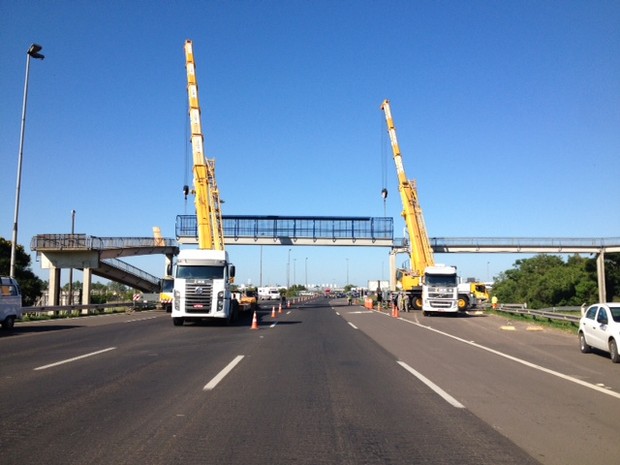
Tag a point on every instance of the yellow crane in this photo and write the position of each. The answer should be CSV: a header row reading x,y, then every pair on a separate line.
x,y
430,287
423,265
203,276
207,195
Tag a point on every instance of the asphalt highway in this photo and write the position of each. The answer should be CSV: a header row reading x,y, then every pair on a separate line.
x,y
322,383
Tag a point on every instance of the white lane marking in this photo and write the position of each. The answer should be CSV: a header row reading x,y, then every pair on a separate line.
x,y
273,325
140,319
338,313
523,362
352,325
447,397
220,376
74,358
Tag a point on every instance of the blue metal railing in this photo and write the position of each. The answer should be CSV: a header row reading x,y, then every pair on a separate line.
x,y
294,227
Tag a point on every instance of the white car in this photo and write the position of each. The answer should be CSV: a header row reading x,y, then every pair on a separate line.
x,y
599,328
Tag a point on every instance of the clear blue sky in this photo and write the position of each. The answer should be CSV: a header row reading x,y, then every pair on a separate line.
x,y
507,114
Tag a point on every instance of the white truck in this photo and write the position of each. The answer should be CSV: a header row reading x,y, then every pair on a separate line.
x,y
202,287
10,302
440,290
269,293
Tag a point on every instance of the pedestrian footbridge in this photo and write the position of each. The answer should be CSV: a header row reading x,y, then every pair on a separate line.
x,y
101,255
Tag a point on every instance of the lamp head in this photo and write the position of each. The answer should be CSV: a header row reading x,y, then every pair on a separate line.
x,y
34,50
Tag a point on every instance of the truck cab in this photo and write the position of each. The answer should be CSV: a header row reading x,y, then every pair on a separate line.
x,y
10,302
202,287
440,290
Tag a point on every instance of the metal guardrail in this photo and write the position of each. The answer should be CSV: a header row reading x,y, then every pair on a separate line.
x,y
549,313
68,308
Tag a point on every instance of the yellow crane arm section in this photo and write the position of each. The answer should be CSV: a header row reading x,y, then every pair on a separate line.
x,y
207,201
420,251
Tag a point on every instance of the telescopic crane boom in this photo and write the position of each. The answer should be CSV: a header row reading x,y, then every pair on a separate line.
x,y
427,286
420,249
203,277
207,196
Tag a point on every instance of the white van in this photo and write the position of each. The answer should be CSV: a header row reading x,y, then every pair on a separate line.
x,y
10,302
268,293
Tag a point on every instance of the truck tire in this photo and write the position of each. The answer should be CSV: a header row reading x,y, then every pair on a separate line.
x,y
416,302
463,302
8,322
178,321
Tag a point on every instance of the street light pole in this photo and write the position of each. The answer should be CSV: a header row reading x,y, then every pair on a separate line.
x,y
288,270
33,52
71,269
306,273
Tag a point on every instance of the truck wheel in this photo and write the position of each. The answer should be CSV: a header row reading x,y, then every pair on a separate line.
x,y
463,302
416,302
8,322
178,321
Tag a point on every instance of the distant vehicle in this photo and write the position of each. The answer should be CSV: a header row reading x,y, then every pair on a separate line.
x,y
599,328
268,293
10,302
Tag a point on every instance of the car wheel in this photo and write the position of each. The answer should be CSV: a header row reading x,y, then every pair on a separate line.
x,y
583,345
613,351
8,322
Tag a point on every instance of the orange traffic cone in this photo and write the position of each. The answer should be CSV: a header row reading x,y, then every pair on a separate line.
x,y
395,312
280,309
273,311
254,322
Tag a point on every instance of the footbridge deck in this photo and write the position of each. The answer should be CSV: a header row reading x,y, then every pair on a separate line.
x,y
295,230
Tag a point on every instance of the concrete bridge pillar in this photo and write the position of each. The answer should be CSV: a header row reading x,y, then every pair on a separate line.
x,y
86,287
54,287
600,273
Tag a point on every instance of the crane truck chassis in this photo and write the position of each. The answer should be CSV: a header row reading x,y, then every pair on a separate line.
x,y
202,287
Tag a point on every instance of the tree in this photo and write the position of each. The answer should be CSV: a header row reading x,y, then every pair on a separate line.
x,y
29,283
548,281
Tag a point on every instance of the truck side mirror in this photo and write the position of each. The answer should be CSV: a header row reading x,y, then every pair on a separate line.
x,y
232,271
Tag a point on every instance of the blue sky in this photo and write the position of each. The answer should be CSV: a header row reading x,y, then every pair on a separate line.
x,y
507,115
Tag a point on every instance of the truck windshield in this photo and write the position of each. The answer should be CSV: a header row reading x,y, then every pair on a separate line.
x,y
440,280
167,285
200,272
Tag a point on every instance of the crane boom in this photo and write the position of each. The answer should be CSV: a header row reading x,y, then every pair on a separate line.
x,y
207,196
420,250
426,286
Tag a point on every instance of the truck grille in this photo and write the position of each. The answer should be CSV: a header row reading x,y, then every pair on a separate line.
x,y
198,296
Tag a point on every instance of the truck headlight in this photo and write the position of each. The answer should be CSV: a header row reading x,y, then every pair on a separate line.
x,y
177,299
220,301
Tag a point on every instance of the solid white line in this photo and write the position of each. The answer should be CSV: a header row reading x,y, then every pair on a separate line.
x,y
352,325
523,362
447,397
273,325
220,376
74,358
